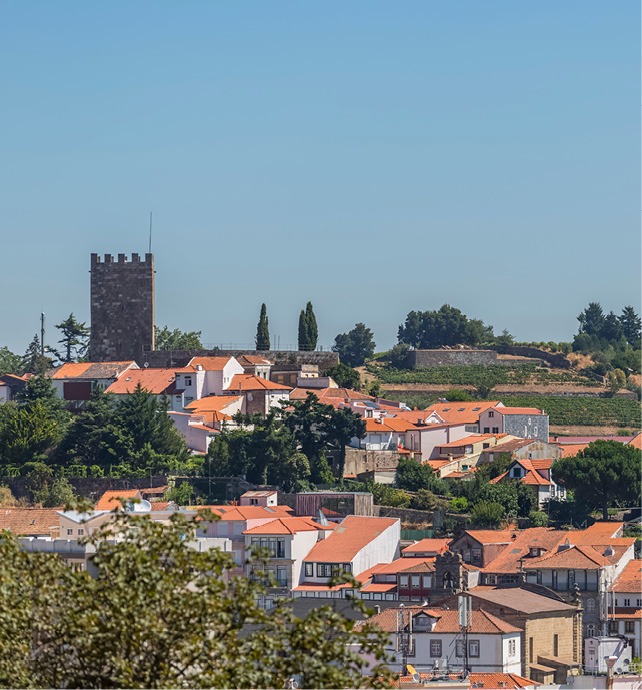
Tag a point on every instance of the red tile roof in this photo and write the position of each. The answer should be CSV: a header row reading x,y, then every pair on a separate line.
x,y
288,525
345,542
155,381
519,410
109,500
630,579
636,441
448,621
599,530
401,564
430,545
92,370
466,441
490,536
29,521
243,513
387,425
519,599
462,412
574,558
544,538
208,363
570,450
499,680
328,395
249,382
212,403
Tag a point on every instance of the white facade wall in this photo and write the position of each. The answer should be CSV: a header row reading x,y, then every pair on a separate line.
x,y
5,393
196,438
384,548
431,438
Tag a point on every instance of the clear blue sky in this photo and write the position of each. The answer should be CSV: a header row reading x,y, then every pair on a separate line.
x,y
372,157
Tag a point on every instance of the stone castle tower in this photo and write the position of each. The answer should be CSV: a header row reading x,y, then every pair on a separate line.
x,y
122,308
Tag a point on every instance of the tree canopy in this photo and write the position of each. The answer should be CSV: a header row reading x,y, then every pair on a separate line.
x,y
165,339
10,363
445,326
75,338
262,339
355,346
159,614
308,329
604,474
345,376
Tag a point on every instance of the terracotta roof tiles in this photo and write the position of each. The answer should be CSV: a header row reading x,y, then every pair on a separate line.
x,y
630,579
29,521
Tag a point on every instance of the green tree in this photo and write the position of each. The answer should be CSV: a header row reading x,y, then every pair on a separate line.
x,y
182,494
591,319
345,376
28,433
631,325
75,338
304,332
164,339
426,500
262,331
10,363
399,355
413,476
312,328
602,475
161,614
355,346
33,361
57,493
40,389
446,326
487,514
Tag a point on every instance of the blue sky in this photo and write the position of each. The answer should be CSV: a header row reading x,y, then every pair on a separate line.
x,y
372,157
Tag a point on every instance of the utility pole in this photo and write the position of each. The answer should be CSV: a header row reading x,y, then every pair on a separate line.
x,y
42,333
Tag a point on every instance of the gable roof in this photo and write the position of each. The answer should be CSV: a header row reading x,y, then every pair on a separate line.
x,y
243,513
208,363
154,381
252,360
520,410
636,441
288,525
447,621
92,370
351,535
467,440
570,450
387,425
29,521
543,538
109,500
250,382
400,565
462,412
329,396
630,579
575,557
519,599
431,545
491,536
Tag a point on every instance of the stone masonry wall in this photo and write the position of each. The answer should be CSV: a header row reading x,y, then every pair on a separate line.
x,y
122,307
446,358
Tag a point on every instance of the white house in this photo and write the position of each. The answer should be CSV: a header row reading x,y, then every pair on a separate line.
x,y
435,637
203,376
157,382
535,473
192,427
75,381
625,605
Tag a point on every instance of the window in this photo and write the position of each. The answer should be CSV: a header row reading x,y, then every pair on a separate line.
x,y
495,429
324,570
281,576
539,577
435,648
415,581
477,554
556,645
487,430
491,413
403,581
612,627
511,647
554,579
639,602
629,626
571,579
485,445
188,380
427,579
459,649
473,648
590,630
347,567
530,649
188,400
280,547
590,605
309,569
69,532
81,532
627,602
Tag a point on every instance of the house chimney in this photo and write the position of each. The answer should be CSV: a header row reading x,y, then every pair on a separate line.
x,y
377,609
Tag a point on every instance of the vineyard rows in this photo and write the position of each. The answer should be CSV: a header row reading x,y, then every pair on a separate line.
x,y
578,411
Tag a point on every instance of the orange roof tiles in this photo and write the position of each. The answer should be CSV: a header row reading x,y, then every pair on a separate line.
x,y
109,500
489,536
600,530
209,363
531,477
636,441
249,382
212,403
466,441
490,681
288,525
462,412
630,579
243,513
543,538
447,621
401,564
29,521
387,425
154,381
570,450
327,395
430,545
345,542
70,370
519,410
575,558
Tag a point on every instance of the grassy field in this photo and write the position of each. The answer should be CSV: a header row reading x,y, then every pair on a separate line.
x,y
493,375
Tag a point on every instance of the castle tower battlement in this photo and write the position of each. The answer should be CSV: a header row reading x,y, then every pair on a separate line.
x,y
122,307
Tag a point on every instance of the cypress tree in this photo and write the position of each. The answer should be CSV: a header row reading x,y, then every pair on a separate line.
x,y
262,332
304,337
313,331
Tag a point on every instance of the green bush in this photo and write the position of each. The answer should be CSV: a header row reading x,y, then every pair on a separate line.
x,y
538,518
487,514
459,505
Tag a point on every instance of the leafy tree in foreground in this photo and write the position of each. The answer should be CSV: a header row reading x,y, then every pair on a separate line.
x,y
165,339
262,339
355,346
160,614
75,338
10,363
346,377
602,475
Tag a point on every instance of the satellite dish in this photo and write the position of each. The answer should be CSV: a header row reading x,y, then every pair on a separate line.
x,y
146,365
416,677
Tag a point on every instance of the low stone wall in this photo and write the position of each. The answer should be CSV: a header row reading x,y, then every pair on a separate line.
x,y
179,358
555,359
418,359
413,516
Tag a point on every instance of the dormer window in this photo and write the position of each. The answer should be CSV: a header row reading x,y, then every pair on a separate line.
x,y
491,413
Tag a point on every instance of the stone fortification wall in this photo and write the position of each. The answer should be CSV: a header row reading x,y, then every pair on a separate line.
x,y
555,359
358,461
179,358
418,359
122,307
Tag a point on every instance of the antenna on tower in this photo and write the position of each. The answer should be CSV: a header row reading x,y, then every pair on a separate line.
x,y
42,333
150,232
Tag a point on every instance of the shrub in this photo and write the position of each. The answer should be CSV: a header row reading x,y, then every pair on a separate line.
x,y
487,514
459,505
426,500
538,518
457,395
